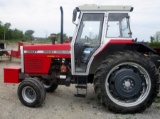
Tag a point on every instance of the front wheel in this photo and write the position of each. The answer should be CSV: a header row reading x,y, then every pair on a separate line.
x,y
31,92
126,82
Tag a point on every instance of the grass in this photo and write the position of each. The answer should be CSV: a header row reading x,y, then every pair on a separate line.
x,y
158,107
157,100
10,41
154,44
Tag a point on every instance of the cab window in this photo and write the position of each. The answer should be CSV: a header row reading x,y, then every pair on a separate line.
x,y
118,25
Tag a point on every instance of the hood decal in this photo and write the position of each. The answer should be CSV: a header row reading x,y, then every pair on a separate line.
x,y
47,52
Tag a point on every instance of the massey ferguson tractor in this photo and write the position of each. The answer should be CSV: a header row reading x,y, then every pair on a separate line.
x,y
102,52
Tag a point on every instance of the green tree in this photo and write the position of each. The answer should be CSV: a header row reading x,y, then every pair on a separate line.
x,y
6,28
157,36
155,40
7,25
6,33
1,30
58,37
152,39
29,33
17,34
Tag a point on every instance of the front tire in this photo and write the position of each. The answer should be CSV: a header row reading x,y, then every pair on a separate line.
x,y
31,92
126,82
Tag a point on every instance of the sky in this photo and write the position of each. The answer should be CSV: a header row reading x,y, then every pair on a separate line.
x,y
43,16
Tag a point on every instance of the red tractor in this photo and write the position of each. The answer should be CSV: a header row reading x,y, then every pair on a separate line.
x,y
101,52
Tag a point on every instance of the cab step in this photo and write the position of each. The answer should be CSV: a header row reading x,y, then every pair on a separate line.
x,y
81,86
80,95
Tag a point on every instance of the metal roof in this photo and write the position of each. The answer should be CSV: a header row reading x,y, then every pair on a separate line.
x,y
104,8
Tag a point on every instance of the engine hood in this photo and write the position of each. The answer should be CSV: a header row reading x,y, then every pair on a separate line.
x,y
47,47
47,50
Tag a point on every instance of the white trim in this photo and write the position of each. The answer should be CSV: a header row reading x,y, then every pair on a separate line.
x,y
101,44
104,40
4,50
93,7
92,57
72,45
22,59
47,51
5,46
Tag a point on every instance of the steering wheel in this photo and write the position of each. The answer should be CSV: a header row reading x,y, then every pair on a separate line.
x,y
88,40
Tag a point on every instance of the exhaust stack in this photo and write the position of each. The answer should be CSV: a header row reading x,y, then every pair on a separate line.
x,y
61,24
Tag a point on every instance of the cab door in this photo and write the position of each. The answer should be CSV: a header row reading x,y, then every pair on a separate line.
x,y
87,40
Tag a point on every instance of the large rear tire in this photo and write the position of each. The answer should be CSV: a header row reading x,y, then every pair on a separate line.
x,y
126,82
31,92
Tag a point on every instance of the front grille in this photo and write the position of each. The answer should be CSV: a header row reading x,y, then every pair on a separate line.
x,y
33,65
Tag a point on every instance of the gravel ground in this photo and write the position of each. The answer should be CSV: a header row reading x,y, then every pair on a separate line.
x,y
61,104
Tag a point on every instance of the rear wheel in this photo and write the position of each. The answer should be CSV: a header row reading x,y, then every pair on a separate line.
x,y
31,93
126,82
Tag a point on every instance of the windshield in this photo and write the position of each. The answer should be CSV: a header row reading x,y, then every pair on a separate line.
x,y
118,25
88,39
90,29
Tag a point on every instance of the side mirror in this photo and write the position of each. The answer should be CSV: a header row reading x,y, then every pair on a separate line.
x,y
74,15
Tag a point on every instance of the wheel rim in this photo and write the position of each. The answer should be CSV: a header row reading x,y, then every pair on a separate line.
x,y
47,85
28,94
128,90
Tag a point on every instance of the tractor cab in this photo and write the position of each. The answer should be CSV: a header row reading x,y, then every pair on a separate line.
x,y
95,27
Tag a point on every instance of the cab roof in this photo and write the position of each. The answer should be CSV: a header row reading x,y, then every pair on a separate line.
x,y
93,7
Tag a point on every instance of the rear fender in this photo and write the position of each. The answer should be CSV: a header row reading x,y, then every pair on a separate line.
x,y
115,47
